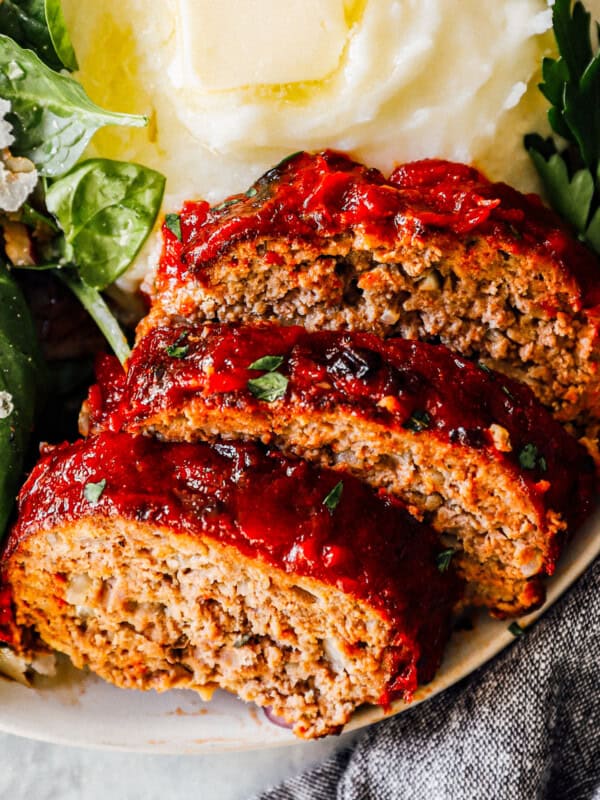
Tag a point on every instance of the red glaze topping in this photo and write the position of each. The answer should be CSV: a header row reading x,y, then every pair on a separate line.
x,y
399,383
269,507
7,624
310,196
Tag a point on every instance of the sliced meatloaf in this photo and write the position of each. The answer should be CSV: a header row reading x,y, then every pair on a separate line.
x,y
191,566
470,451
434,252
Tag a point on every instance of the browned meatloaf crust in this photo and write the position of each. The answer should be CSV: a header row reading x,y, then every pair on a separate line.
x,y
434,252
175,565
469,450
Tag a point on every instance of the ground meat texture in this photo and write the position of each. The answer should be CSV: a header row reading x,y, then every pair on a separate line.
x,y
174,565
470,451
435,252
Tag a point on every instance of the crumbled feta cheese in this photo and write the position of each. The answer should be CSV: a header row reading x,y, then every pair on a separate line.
x,y
18,176
6,137
6,405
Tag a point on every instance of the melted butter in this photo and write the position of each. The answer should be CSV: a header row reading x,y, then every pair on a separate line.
x,y
110,72
302,91
353,11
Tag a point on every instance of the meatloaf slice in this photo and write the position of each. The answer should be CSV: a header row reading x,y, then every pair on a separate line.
x,y
469,450
191,566
435,252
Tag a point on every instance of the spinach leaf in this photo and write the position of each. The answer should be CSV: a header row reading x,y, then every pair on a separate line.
x,y
39,25
20,377
59,34
106,210
25,22
94,304
53,119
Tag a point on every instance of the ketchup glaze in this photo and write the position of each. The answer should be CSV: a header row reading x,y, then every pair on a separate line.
x,y
396,382
312,196
270,508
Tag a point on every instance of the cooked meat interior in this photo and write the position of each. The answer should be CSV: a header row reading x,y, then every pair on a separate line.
x,y
470,451
173,565
435,252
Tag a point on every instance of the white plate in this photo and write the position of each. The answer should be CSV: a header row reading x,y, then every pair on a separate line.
x,y
79,709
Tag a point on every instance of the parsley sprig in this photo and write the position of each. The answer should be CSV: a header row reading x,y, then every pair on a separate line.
x,y
332,500
272,385
571,83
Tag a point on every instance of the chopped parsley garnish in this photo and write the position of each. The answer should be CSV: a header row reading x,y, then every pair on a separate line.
x,y
484,368
285,160
419,420
268,363
178,349
530,458
270,387
243,640
507,392
516,629
93,491
332,500
173,223
571,83
252,191
443,559
226,203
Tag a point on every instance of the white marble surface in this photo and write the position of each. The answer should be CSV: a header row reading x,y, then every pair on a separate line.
x,y
31,770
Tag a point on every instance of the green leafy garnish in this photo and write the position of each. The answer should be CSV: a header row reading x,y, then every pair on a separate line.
x,y
93,491
516,629
32,218
332,500
530,458
173,223
106,210
226,203
270,387
178,349
571,83
20,379
418,421
443,560
268,363
39,25
94,304
60,35
53,119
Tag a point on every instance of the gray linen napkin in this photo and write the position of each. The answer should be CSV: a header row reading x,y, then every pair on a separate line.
x,y
527,726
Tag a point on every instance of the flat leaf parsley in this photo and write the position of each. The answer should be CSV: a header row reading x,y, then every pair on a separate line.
x,y
571,176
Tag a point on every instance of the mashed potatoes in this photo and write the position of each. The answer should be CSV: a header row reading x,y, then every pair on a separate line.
x,y
413,78
401,79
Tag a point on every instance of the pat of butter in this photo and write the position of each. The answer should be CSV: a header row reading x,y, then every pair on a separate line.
x,y
229,44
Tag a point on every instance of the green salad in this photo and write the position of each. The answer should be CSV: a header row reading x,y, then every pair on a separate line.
x,y
86,220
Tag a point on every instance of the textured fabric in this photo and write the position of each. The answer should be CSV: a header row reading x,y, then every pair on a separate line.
x,y
526,726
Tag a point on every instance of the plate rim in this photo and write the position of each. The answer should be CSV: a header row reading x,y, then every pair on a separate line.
x,y
580,554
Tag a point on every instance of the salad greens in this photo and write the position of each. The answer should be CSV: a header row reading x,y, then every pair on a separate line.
x,y
39,25
106,210
95,215
20,370
59,34
571,176
95,305
52,117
